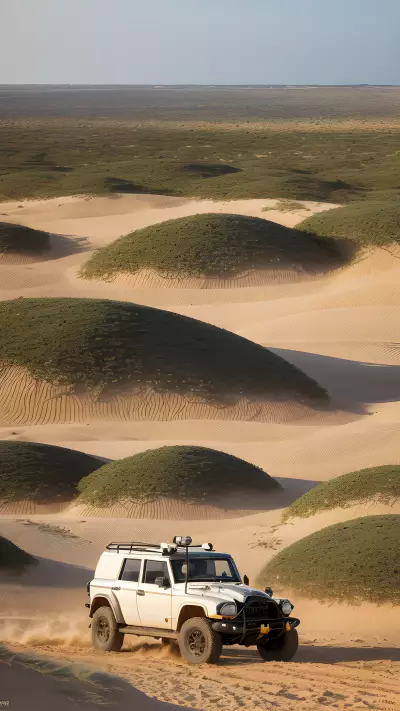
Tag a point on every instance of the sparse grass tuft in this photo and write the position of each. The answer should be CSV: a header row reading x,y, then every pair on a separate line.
x,y
286,206
41,473
111,346
12,558
380,483
193,473
18,238
368,224
210,245
353,561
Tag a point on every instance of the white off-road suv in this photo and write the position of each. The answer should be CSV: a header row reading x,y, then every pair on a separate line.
x,y
188,595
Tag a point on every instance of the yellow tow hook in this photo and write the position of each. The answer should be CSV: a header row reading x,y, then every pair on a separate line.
x,y
264,630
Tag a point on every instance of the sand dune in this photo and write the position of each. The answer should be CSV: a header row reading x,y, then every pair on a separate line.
x,y
24,401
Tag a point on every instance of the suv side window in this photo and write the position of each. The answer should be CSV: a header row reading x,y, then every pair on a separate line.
x,y
130,570
155,569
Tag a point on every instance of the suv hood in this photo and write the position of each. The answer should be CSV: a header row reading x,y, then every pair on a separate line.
x,y
226,591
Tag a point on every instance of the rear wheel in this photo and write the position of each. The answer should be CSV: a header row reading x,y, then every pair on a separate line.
x,y
198,642
281,649
105,633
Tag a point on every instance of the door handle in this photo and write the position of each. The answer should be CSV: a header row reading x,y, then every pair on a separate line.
x,y
115,588
141,592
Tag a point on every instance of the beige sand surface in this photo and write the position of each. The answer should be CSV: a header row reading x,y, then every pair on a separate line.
x,y
31,681
342,329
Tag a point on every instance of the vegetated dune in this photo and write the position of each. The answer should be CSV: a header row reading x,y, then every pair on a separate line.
x,y
380,484
184,480
13,559
352,561
18,242
216,249
370,223
113,360
36,477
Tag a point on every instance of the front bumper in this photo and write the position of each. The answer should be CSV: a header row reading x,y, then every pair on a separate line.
x,y
254,629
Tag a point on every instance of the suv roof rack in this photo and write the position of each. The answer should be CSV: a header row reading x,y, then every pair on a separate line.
x,y
134,546
164,548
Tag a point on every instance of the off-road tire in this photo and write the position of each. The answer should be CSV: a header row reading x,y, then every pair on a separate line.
x,y
105,633
282,650
198,642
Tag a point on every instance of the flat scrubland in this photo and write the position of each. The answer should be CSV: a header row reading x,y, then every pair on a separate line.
x,y
330,145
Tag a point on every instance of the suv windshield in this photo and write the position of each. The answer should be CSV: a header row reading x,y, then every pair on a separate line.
x,y
201,568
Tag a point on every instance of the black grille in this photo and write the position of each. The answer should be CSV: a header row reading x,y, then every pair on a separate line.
x,y
257,608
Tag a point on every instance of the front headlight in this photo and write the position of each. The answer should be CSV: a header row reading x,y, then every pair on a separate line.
x,y
228,609
286,607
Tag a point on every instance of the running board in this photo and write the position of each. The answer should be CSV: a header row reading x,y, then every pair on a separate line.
x,y
148,631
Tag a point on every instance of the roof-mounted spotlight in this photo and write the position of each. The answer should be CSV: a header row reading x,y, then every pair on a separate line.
x,y
183,541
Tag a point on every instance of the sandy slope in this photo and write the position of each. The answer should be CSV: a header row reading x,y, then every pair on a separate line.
x,y
343,329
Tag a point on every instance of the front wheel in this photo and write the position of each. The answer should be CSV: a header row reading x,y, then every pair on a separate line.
x,y
198,642
281,649
105,633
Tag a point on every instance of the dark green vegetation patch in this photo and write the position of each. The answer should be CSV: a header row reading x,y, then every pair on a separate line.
x,y
369,223
213,246
12,558
108,345
41,473
352,561
381,483
193,473
18,238
211,170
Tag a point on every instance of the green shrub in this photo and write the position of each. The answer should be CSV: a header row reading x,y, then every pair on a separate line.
x,y
40,472
212,246
380,483
18,238
368,223
352,561
286,206
193,473
107,346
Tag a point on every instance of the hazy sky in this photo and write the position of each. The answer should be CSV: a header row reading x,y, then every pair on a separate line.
x,y
200,41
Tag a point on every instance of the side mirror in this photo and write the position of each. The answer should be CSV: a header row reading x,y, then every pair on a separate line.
x,y
162,582
269,591
246,579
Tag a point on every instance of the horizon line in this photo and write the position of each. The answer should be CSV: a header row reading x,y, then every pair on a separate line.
x,y
155,85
